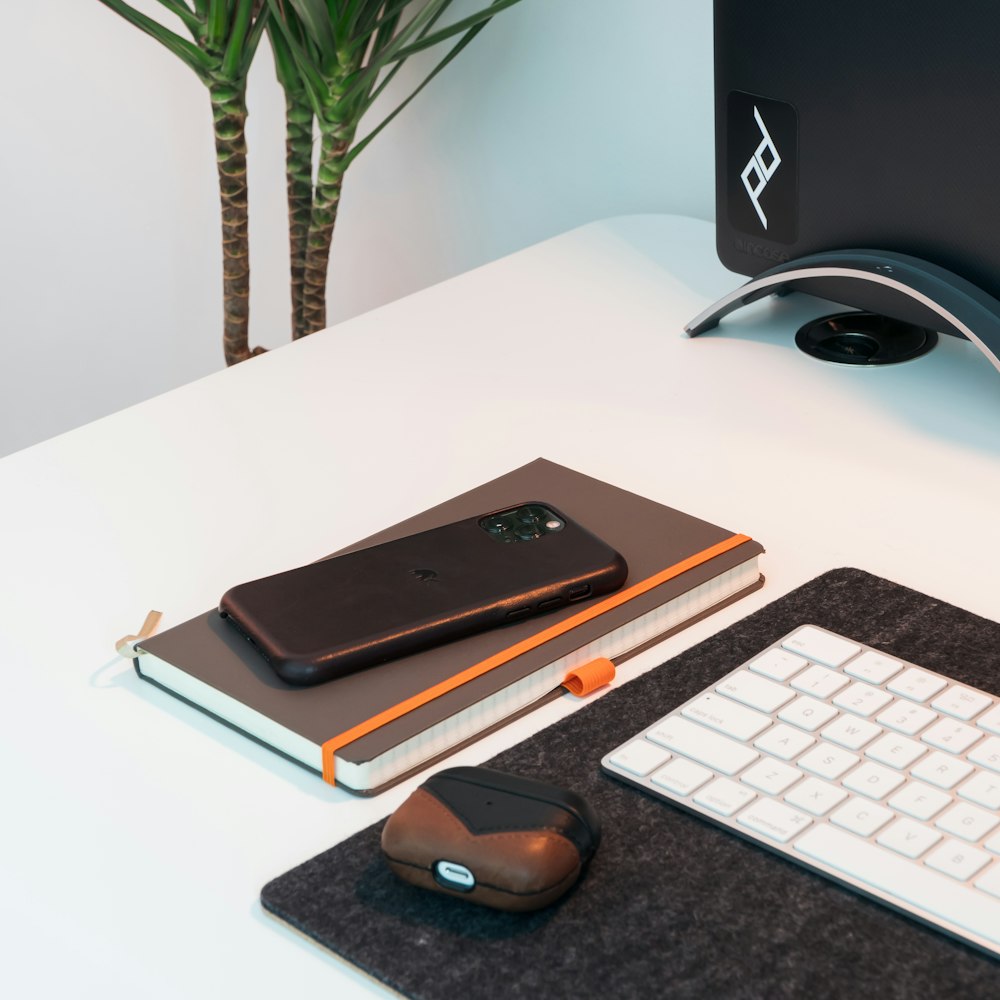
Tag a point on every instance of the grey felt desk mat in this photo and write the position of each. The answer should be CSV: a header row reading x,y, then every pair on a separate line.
x,y
670,906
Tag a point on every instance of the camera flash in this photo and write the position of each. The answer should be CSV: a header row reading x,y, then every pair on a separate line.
x,y
553,525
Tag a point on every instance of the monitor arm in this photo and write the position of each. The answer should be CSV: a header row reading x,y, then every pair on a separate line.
x,y
891,284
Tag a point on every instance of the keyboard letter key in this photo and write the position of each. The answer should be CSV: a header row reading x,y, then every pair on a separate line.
x,y
808,713
941,769
861,816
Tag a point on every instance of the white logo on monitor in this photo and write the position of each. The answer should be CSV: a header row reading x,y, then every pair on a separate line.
x,y
759,168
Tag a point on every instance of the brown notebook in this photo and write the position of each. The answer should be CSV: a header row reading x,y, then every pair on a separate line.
x,y
369,730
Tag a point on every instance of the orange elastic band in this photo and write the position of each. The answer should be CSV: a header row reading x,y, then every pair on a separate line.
x,y
591,676
332,745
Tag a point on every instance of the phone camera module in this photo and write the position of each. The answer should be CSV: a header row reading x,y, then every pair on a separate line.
x,y
521,524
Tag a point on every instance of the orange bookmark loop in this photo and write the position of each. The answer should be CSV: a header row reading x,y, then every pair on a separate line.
x,y
591,676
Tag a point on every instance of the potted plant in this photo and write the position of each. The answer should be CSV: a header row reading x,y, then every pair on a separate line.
x,y
334,59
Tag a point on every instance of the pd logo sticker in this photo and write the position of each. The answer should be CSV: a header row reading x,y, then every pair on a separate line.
x,y
762,167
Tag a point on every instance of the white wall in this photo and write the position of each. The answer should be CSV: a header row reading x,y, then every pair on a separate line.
x,y
560,112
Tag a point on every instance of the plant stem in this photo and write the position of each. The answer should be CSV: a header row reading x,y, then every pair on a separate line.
x,y
298,173
229,115
334,145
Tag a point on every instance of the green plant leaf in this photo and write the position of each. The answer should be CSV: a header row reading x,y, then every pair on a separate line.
x,y
453,52
186,51
315,18
301,52
233,60
218,19
184,12
481,19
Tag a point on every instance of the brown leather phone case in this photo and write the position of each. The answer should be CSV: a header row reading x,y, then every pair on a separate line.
x,y
497,839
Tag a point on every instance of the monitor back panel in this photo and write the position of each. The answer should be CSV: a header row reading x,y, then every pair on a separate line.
x,y
868,124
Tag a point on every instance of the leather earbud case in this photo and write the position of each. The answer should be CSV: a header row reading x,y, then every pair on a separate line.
x,y
492,838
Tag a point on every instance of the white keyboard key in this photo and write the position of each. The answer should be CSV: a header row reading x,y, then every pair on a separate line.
x,y
993,844
982,788
770,776
827,761
816,797
773,820
640,757
755,692
990,882
908,838
821,647
959,861
987,754
726,716
724,797
919,800
876,668
862,699
904,880
916,684
968,822
820,682
851,732
778,664
896,751
941,769
702,745
807,713
861,816
783,742
873,780
955,737
961,703
990,721
682,776
906,718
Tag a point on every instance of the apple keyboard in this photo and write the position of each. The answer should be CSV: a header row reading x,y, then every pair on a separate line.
x,y
877,773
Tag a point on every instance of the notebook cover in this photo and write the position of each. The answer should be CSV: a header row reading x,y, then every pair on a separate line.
x,y
670,905
649,535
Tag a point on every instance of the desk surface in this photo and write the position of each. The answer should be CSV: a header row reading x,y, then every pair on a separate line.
x,y
138,833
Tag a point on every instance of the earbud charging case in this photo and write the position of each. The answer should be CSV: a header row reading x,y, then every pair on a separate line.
x,y
497,839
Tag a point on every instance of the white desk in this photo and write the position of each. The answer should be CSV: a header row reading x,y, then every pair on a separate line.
x,y
138,833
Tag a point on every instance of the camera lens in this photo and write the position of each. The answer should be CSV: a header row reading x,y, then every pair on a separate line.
x,y
527,516
496,526
527,532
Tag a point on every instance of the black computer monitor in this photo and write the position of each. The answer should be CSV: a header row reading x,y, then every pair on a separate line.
x,y
868,129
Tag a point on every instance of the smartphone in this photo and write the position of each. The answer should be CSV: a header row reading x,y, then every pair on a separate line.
x,y
352,611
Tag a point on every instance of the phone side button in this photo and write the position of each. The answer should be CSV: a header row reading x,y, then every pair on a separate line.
x,y
552,602
517,613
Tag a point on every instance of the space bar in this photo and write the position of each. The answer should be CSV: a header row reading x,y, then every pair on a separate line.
x,y
926,890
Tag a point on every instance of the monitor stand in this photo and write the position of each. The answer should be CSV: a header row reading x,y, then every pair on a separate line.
x,y
919,296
